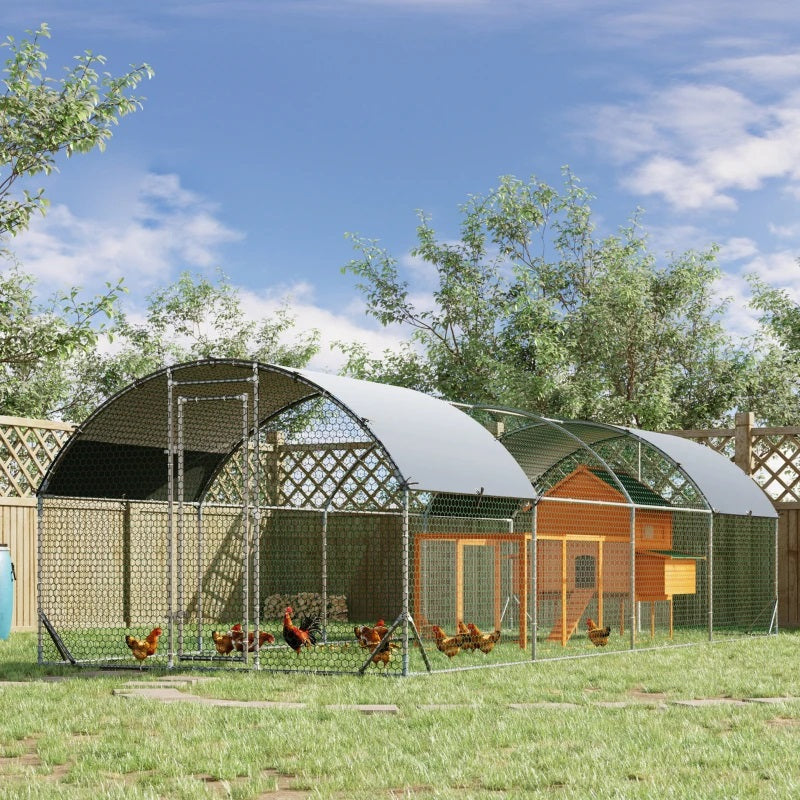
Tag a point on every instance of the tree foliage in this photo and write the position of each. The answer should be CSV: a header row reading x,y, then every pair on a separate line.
x,y
529,308
773,391
41,117
190,319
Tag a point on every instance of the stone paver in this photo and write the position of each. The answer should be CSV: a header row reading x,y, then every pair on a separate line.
x,y
168,690
388,708
701,702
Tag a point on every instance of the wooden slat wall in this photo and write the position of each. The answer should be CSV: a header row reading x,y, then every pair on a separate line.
x,y
18,531
789,566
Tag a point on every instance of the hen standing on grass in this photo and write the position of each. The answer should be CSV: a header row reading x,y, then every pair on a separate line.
x,y
598,636
304,636
142,648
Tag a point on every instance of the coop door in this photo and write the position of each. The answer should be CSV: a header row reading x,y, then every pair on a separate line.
x,y
211,586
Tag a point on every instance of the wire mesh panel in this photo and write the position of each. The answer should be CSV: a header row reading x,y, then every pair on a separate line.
x,y
102,577
264,525
471,556
744,568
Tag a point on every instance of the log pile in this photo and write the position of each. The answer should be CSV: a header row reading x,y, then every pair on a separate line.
x,y
306,604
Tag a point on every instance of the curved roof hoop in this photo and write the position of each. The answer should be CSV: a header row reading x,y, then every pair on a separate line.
x,y
119,450
537,419
632,433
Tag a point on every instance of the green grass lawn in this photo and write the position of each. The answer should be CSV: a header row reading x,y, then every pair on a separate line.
x,y
76,739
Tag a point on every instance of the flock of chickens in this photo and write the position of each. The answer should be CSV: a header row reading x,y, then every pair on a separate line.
x,y
468,638
296,636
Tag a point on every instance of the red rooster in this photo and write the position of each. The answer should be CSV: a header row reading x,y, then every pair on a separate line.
x,y
304,636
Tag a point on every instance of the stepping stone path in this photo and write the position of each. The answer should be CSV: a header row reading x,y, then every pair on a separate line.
x,y
169,689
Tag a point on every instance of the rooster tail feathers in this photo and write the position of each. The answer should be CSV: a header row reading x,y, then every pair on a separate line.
x,y
312,627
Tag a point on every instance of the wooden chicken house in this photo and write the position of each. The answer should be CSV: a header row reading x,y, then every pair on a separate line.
x,y
584,547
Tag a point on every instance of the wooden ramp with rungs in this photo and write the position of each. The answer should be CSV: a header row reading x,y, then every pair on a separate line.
x,y
577,602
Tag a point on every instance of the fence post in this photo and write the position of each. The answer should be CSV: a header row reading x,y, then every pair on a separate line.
x,y
743,456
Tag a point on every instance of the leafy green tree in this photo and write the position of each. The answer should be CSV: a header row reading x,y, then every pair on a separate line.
x,y
38,339
531,309
190,319
42,117
773,390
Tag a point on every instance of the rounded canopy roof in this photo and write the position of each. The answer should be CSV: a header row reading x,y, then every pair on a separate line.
x,y
120,451
677,468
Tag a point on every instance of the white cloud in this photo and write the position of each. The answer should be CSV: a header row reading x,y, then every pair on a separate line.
x,y
737,249
767,68
345,326
682,185
168,229
697,145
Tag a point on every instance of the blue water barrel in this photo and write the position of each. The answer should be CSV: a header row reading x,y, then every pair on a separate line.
x,y
6,591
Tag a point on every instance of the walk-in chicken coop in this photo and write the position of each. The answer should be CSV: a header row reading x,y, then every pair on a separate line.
x,y
226,514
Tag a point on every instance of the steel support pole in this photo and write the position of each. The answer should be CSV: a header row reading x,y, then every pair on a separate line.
x,y
406,566
170,518
245,529
39,561
256,516
325,573
633,577
180,526
710,578
775,572
534,586
200,576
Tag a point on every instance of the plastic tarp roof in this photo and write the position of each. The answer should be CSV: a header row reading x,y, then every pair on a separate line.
x,y
120,451
725,489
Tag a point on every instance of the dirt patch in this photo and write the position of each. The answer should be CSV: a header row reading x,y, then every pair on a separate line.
x,y
783,722
409,792
282,791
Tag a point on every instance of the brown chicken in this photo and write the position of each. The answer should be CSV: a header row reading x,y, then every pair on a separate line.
x,y
223,642
237,638
142,648
304,635
449,645
464,632
598,636
369,638
484,642
365,633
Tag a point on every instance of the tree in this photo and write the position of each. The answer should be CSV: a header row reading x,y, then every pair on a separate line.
x,y
41,117
531,309
190,319
38,340
773,391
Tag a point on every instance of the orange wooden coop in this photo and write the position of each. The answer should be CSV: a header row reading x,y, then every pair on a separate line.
x,y
583,531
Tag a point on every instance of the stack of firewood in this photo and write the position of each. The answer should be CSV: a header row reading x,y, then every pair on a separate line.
x,y
306,604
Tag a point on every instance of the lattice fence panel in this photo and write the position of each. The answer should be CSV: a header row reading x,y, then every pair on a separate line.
x,y
776,465
27,447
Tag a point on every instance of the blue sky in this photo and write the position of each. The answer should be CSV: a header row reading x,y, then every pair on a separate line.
x,y
272,127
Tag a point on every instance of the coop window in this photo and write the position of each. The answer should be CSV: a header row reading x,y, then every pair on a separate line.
x,y
585,572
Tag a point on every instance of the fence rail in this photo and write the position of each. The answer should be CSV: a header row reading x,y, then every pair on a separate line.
x,y
771,456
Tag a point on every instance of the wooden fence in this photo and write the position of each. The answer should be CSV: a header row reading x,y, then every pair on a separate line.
x,y
27,446
770,455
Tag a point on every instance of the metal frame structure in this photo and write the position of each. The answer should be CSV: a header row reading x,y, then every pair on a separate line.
x,y
253,487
